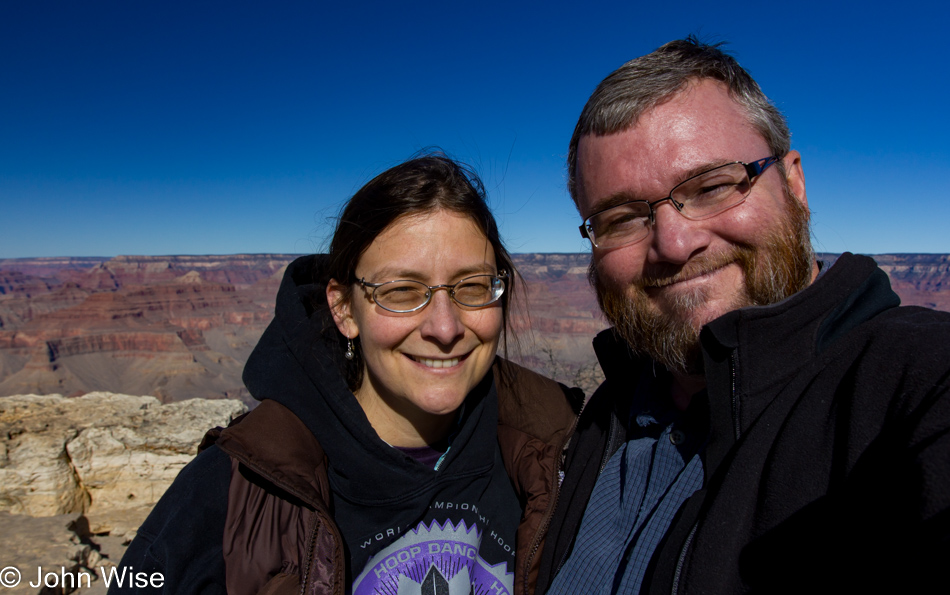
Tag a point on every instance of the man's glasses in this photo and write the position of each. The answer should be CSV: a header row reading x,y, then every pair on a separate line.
x,y
699,197
403,295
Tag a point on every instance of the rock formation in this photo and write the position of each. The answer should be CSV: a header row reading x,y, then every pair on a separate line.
x,y
79,475
99,451
920,279
557,320
180,327
176,327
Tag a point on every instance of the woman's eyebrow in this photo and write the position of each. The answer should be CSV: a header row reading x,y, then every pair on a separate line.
x,y
480,269
392,274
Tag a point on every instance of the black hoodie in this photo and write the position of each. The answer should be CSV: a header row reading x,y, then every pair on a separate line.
x,y
401,523
379,493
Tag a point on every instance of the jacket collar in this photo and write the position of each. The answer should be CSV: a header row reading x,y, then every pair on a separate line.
x,y
852,291
276,445
750,352
760,348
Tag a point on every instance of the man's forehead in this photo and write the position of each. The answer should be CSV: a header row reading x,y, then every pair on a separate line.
x,y
700,127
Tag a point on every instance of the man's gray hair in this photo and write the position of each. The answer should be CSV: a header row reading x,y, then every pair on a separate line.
x,y
645,82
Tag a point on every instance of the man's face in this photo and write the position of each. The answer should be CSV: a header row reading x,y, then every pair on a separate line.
x,y
661,290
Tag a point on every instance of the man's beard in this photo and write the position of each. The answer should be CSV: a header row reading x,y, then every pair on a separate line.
x,y
779,268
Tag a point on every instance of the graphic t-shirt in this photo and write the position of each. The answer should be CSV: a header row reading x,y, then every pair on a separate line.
x,y
425,455
464,543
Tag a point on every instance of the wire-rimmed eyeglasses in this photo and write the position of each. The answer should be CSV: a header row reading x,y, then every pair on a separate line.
x,y
699,197
404,295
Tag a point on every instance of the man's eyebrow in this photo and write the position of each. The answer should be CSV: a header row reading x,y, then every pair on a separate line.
x,y
615,199
701,169
625,196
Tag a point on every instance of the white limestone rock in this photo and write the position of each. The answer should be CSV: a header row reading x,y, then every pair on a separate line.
x,y
101,451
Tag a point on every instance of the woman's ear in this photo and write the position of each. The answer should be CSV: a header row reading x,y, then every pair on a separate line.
x,y
340,308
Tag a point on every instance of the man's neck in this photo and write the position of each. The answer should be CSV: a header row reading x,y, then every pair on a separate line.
x,y
684,387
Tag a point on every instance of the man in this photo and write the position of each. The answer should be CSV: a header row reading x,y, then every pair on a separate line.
x,y
767,423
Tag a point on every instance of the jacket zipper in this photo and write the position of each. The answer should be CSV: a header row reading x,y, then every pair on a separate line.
x,y
682,560
735,396
305,578
608,452
737,428
303,498
546,522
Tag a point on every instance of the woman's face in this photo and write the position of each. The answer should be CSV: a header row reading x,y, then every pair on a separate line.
x,y
419,366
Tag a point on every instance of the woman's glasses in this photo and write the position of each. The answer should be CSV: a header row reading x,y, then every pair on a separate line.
x,y
403,295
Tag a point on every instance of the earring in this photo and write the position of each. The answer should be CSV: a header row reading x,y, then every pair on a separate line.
x,y
350,353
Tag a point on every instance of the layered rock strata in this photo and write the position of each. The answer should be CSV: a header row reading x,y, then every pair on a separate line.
x,y
101,451
78,476
182,326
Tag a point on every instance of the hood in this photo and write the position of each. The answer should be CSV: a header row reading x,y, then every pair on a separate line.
x,y
297,363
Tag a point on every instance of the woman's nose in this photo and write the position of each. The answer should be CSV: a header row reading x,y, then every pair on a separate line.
x,y
442,319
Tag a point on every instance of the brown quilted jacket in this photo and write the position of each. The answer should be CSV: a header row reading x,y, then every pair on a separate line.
x,y
279,535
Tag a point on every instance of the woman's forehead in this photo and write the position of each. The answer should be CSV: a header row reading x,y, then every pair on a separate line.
x,y
429,244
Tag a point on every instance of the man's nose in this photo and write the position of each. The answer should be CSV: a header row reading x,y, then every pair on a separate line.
x,y
674,238
442,321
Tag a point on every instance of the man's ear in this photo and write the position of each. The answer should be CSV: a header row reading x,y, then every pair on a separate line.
x,y
340,308
795,176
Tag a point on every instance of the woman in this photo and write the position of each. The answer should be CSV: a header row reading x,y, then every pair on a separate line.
x,y
391,452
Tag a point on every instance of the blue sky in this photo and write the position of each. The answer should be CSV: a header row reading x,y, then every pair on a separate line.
x,y
147,127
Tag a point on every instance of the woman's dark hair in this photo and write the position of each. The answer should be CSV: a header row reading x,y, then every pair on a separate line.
x,y
421,185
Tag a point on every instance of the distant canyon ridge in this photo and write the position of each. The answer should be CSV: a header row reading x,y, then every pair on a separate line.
x,y
180,327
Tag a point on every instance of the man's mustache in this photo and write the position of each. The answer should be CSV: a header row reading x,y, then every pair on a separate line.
x,y
660,275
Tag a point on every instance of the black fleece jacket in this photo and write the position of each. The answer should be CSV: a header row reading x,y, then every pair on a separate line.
x,y
828,463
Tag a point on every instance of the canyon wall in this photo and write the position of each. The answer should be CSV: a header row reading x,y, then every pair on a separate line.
x,y
178,327
174,327
79,474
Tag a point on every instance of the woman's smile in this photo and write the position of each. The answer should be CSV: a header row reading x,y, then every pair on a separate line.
x,y
438,362
419,366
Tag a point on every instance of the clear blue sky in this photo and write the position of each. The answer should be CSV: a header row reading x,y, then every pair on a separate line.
x,y
166,127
